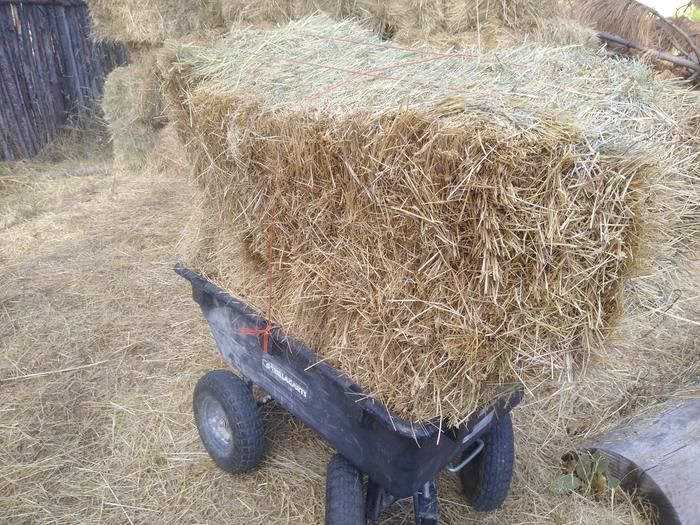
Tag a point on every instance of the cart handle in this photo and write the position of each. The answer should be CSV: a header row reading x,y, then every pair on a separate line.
x,y
475,452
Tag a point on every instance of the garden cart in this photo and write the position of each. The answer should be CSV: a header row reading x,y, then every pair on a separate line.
x,y
399,458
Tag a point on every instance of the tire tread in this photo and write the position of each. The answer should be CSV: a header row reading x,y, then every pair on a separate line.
x,y
244,419
495,467
345,503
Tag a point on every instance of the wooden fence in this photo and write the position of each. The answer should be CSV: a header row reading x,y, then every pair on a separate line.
x,y
50,68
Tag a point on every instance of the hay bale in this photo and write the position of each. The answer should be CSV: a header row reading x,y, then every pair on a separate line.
x,y
564,31
133,106
270,13
466,15
435,241
152,21
555,32
425,16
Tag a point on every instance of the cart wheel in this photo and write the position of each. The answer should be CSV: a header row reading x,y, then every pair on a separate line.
x,y
228,421
345,502
486,479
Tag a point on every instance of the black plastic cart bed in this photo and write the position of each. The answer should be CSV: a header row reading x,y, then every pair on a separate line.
x,y
400,459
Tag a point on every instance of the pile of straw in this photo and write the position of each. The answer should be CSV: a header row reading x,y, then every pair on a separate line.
x,y
443,226
100,428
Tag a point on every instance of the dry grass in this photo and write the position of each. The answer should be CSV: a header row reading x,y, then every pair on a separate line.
x,y
105,435
464,15
437,249
548,31
627,18
101,346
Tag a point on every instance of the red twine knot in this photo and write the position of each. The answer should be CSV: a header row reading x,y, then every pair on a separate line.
x,y
265,332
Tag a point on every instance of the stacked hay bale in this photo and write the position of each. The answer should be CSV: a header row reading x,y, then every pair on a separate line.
x,y
441,227
133,108
145,27
133,103
152,22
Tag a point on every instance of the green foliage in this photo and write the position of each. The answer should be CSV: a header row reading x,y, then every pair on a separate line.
x,y
690,10
587,473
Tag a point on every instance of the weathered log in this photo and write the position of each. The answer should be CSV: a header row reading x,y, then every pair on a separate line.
x,y
657,456
661,55
69,57
40,69
51,78
13,93
32,83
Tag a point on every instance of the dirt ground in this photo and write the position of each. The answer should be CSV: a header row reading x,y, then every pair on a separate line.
x,y
100,348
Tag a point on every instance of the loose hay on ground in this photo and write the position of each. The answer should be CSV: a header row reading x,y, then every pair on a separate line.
x,y
434,243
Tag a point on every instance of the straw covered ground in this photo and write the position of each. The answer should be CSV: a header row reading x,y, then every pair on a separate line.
x,y
436,240
102,345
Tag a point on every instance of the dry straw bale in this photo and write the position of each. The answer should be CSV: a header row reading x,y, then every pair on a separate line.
x,y
434,242
152,22
464,15
279,12
556,31
133,106
424,16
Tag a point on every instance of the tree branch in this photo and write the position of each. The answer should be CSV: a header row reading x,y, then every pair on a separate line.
x,y
674,27
667,57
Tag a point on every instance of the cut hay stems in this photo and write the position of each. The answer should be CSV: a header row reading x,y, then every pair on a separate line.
x,y
52,372
390,67
354,72
417,50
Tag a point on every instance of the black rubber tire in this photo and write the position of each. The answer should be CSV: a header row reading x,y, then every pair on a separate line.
x,y
486,479
238,416
345,500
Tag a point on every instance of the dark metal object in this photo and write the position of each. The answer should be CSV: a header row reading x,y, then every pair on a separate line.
x,y
377,500
425,506
402,459
479,447
693,66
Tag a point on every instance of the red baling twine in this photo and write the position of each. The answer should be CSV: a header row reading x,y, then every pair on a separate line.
x,y
372,73
265,332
